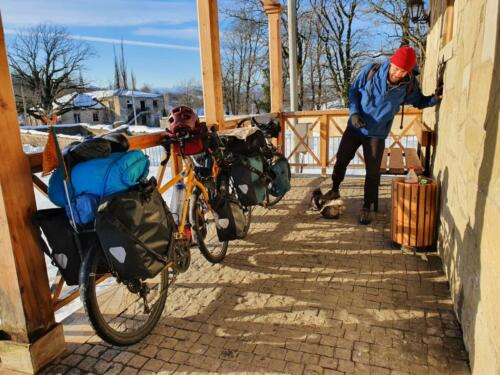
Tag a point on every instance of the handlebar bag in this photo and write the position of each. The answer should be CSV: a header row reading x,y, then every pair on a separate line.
x,y
249,180
135,229
230,221
196,144
244,141
281,181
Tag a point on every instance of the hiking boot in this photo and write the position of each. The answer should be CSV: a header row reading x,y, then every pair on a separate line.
x,y
331,195
364,216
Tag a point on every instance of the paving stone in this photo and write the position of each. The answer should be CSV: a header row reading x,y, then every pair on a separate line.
x,y
300,294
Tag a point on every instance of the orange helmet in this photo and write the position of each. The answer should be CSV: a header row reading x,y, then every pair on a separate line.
x,y
182,118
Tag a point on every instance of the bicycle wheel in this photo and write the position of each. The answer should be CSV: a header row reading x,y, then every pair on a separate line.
x,y
121,313
270,199
204,231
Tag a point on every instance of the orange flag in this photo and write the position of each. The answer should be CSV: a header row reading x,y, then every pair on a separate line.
x,y
49,155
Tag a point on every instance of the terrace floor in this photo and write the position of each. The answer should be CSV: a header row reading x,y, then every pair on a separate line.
x,y
300,295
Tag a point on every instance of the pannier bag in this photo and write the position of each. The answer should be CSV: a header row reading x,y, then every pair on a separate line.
x,y
281,182
135,229
244,141
62,249
247,174
230,221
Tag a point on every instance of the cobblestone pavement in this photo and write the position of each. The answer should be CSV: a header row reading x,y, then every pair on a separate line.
x,y
300,295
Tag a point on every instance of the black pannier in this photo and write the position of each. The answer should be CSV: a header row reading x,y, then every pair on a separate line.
x,y
135,229
230,221
249,180
244,141
62,248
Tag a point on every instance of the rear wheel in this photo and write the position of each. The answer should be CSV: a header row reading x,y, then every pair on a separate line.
x,y
204,229
121,313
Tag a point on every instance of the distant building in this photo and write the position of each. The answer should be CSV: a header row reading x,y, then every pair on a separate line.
x,y
109,106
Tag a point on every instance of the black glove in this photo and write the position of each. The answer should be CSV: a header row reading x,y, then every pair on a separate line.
x,y
357,121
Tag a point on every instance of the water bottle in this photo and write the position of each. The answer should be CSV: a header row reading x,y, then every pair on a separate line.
x,y
177,201
411,177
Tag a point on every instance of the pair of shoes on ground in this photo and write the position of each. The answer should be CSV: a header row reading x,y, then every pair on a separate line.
x,y
320,199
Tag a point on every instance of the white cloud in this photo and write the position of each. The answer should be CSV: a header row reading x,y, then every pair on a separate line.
x,y
141,43
186,33
110,13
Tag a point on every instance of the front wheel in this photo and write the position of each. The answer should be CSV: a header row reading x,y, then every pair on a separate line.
x,y
204,229
121,312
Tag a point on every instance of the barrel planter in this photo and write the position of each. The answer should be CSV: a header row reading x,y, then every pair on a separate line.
x,y
414,210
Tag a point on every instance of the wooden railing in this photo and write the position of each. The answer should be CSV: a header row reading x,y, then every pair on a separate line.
x,y
317,135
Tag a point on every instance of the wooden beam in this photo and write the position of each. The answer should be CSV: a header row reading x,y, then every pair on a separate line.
x,y
208,27
273,11
324,142
26,314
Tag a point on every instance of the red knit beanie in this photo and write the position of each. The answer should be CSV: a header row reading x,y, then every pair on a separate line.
x,y
404,58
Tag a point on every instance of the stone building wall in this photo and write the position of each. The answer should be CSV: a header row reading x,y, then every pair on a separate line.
x,y
466,162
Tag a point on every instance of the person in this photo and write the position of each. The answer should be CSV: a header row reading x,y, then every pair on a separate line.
x,y
375,98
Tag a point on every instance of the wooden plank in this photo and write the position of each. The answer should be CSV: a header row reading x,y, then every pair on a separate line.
x,y
324,140
411,159
396,165
208,28
383,163
424,134
406,213
25,305
421,216
400,219
40,185
273,11
413,214
394,211
341,113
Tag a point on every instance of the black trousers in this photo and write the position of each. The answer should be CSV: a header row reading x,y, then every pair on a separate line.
x,y
373,150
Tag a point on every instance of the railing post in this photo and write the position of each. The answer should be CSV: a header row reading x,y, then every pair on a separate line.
x,y
208,27
273,11
29,336
324,134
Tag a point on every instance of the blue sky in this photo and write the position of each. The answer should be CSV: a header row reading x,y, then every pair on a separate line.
x,y
160,36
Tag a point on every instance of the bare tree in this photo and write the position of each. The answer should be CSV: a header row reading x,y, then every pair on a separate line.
x,y
401,31
46,61
341,41
190,93
244,58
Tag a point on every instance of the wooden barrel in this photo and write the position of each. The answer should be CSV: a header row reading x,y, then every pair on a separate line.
x,y
414,209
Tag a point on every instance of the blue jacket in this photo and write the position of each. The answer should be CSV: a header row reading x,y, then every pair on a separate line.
x,y
377,105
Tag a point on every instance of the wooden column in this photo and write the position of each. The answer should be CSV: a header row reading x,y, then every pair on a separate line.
x,y
273,11
208,26
324,138
29,336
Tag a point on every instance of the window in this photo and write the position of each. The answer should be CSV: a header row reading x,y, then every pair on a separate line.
x,y
447,24
155,105
96,116
76,117
143,105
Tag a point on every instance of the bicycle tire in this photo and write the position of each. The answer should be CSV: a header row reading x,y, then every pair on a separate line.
x,y
200,231
90,271
271,200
